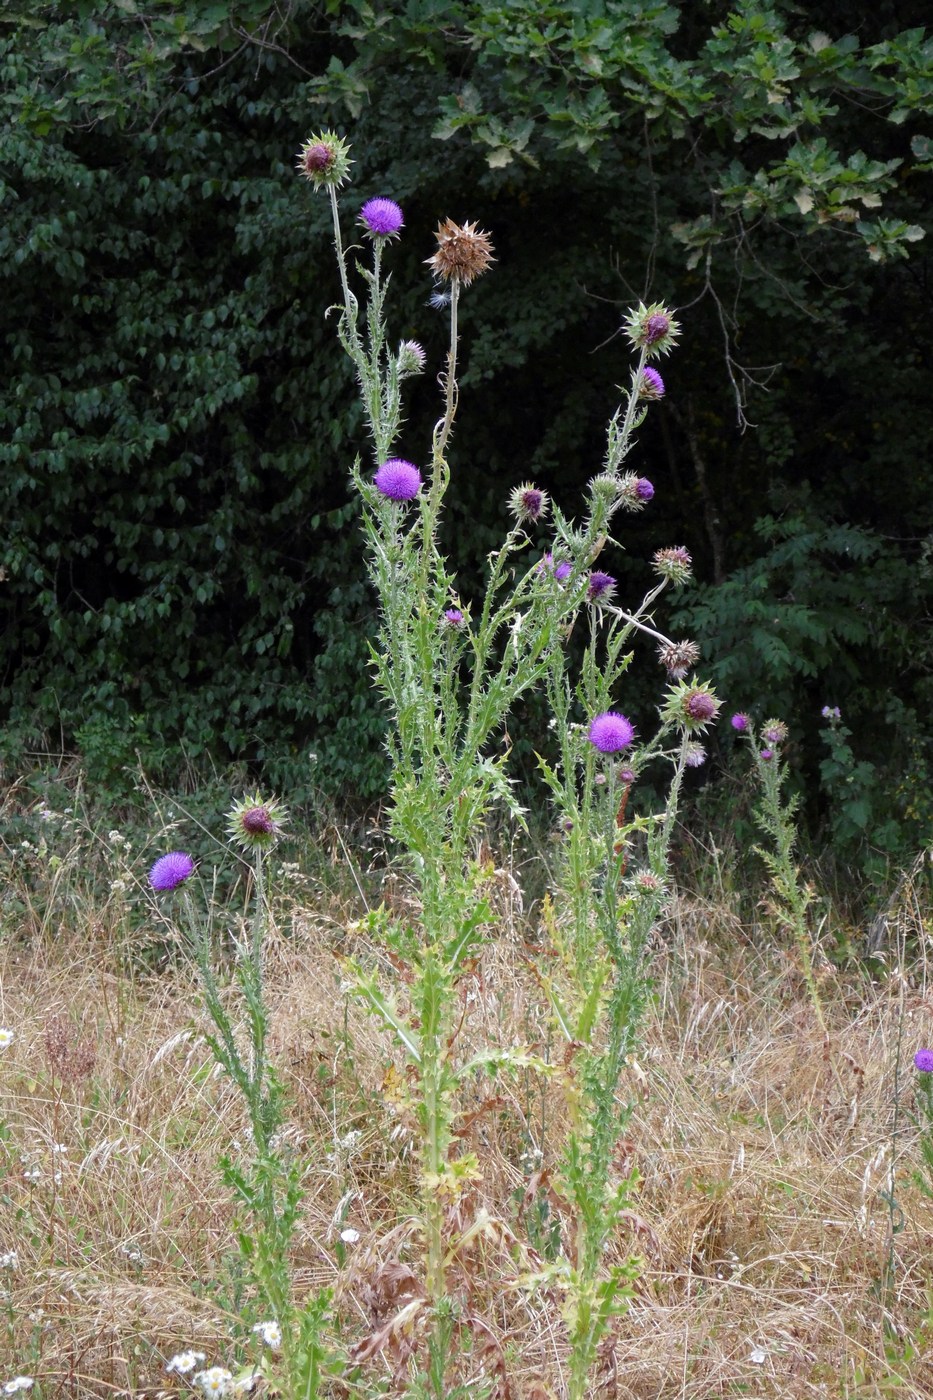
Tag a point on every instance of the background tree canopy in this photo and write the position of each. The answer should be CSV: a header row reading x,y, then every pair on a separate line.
x,y
180,557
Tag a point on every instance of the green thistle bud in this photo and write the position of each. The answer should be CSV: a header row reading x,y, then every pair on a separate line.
x,y
690,706
325,160
255,824
652,329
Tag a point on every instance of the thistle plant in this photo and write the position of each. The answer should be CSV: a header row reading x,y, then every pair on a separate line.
x,y
450,671
775,816
267,1183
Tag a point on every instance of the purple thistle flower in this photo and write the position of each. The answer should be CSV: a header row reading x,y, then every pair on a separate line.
x,y
610,732
673,563
924,1061
411,358
528,503
739,722
256,821
382,218
700,705
774,731
601,585
561,571
767,755
170,871
651,385
695,756
644,489
398,480
655,327
454,617
626,775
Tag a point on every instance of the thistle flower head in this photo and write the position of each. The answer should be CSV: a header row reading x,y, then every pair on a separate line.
x,y
923,1060
678,658
560,570
453,617
601,586
766,755
528,503
254,823
463,253
652,329
325,160
673,563
650,385
398,480
381,218
774,731
411,358
170,871
690,707
694,755
610,732
606,487
647,881
634,491
740,722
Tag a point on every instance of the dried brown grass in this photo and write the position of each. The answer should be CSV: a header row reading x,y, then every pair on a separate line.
x,y
786,1252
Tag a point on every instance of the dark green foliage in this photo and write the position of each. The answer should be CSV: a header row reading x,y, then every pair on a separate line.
x,y
182,567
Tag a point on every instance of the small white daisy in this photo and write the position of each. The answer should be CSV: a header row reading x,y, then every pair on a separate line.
x,y
271,1334
215,1381
6,1038
18,1383
184,1361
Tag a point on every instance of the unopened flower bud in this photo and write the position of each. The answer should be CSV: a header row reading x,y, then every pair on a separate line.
x,y
673,563
325,160
652,328
528,503
411,358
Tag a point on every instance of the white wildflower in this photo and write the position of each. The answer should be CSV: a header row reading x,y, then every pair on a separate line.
x,y
349,1235
184,1361
215,1381
32,1174
9,1260
6,1038
271,1334
758,1356
18,1383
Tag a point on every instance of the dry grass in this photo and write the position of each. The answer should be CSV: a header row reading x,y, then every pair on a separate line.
x,y
786,1252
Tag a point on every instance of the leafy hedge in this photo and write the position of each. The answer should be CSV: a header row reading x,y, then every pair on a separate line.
x,y
180,559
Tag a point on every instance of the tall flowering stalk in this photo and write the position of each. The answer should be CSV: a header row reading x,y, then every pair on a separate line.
x,y
266,1183
451,671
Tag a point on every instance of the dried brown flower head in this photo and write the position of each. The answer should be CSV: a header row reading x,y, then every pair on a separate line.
x,y
678,658
463,252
